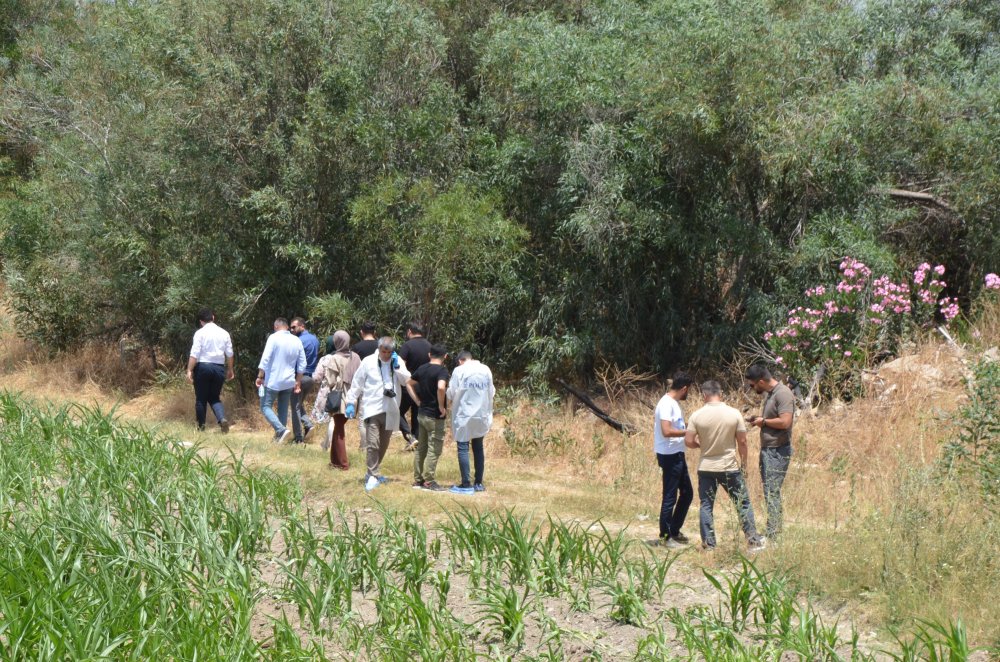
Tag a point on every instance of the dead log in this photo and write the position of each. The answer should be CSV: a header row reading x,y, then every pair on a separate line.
x,y
600,413
914,196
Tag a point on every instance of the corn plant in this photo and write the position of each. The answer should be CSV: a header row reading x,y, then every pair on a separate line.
x,y
627,606
505,611
933,642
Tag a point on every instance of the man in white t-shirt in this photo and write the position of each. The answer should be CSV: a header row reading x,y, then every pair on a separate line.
x,y
668,444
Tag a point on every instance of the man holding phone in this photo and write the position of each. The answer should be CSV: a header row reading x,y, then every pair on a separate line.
x,y
775,423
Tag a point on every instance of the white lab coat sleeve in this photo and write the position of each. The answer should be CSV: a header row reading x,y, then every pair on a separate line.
x,y
357,386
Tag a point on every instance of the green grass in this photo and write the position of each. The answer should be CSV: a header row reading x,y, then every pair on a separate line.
x,y
118,543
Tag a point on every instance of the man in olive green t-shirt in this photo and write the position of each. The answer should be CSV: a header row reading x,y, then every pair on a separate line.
x,y
721,434
775,423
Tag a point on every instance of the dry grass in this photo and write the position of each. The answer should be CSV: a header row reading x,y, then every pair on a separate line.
x,y
985,330
868,521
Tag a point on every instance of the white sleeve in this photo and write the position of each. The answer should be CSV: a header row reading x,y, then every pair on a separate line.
x,y
196,345
357,385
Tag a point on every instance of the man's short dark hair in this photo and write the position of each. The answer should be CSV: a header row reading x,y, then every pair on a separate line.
x,y
206,315
368,328
680,380
416,328
280,321
711,387
301,322
757,372
438,351
464,355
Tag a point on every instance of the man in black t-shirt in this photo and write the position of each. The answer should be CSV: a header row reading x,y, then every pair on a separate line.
x,y
428,386
414,353
368,344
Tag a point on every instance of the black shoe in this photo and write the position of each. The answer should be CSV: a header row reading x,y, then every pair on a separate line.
x,y
434,487
306,429
224,426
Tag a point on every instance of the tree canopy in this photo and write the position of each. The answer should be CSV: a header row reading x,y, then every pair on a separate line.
x,y
552,182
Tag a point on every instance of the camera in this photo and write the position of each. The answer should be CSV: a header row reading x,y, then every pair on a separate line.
x,y
389,393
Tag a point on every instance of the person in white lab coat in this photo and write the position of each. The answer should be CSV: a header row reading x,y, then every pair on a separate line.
x,y
378,384
470,397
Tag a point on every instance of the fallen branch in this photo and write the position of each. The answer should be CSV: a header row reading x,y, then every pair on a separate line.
x,y
914,196
601,414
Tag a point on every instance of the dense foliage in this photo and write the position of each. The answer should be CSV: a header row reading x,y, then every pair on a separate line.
x,y
646,181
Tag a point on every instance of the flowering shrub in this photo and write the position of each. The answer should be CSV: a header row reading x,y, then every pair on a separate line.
x,y
851,324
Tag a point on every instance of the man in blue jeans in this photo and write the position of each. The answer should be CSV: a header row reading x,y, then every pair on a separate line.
x,y
721,434
470,397
668,444
280,374
301,423
775,423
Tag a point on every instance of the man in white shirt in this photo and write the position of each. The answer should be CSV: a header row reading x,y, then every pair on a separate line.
x,y
378,384
280,373
210,365
721,433
470,396
668,444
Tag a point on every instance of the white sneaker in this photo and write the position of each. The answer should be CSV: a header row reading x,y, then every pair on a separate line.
x,y
372,483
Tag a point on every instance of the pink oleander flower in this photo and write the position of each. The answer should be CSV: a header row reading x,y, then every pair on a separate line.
x,y
847,353
768,335
992,282
779,360
939,269
949,308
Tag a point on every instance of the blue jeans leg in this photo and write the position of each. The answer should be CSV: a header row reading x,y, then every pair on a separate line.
x,y
677,493
735,486
478,459
708,485
278,420
773,469
463,462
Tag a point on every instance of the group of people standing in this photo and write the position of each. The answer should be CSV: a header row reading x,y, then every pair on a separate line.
x,y
720,432
369,381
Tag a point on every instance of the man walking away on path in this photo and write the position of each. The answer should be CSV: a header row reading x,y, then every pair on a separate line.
x,y
210,365
414,353
668,444
470,394
378,385
368,343
775,423
280,373
301,423
428,387
721,433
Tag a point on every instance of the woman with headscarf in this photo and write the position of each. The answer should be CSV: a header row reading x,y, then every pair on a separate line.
x,y
334,373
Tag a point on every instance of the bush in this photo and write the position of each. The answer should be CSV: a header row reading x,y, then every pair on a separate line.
x,y
848,326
